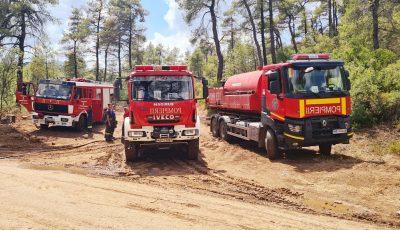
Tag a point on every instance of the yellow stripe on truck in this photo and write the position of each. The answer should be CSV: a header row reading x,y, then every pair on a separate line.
x,y
324,101
344,106
294,137
302,108
279,117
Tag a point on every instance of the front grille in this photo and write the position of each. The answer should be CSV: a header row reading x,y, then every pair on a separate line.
x,y
51,108
319,131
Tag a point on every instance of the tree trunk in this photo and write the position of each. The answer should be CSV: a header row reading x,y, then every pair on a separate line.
x,y
292,32
278,38
47,68
130,43
98,42
217,42
105,64
330,18
262,31
21,46
305,21
271,31
253,26
335,18
375,23
75,61
119,58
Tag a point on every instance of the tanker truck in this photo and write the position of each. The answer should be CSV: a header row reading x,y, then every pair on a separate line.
x,y
302,102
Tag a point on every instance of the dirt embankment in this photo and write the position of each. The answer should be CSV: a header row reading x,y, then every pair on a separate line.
x,y
354,187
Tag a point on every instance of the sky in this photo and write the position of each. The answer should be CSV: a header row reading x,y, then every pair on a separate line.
x,y
165,24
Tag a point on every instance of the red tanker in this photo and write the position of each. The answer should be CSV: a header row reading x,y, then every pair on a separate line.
x,y
302,102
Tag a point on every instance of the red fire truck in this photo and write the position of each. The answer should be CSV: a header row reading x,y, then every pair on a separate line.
x,y
303,102
162,111
64,103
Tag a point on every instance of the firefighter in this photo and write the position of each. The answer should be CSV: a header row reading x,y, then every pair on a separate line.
x,y
110,123
126,114
89,119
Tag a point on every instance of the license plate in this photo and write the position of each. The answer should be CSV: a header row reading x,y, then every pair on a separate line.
x,y
49,120
339,131
164,140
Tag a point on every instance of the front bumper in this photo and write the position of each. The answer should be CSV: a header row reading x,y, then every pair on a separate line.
x,y
151,134
316,130
58,120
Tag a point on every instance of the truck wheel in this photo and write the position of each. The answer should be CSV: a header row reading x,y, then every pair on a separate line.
x,y
214,127
193,149
271,145
44,126
223,131
81,125
325,149
131,151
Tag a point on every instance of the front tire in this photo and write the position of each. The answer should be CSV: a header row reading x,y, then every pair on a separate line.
x,y
223,131
325,149
193,149
81,125
131,151
214,127
44,126
271,145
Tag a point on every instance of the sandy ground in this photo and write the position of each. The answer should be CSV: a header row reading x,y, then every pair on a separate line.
x,y
62,179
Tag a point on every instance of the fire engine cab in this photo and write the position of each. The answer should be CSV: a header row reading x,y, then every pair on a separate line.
x,y
64,103
302,102
162,111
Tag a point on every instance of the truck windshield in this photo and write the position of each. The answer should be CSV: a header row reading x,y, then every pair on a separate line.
x,y
54,91
162,88
316,79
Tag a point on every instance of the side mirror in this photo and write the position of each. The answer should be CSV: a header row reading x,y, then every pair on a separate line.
x,y
346,74
272,76
205,88
275,87
348,83
273,81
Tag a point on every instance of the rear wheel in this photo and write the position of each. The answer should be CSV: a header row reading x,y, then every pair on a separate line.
x,y
325,149
193,149
81,125
271,145
223,131
214,127
44,126
131,151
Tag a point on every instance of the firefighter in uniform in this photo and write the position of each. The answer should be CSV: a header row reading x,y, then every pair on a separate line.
x,y
126,114
110,123
89,119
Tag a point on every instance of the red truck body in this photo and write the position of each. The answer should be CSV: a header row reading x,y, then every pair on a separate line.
x,y
312,98
162,110
65,103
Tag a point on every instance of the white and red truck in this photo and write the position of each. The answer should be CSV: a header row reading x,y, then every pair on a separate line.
x,y
64,102
302,102
162,111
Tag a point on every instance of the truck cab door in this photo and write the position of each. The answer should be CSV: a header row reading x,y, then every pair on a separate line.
x,y
24,95
274,99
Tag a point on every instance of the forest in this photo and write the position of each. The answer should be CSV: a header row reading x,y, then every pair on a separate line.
x,y
228,37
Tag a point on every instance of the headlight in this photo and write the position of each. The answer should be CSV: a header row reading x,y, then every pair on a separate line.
x,y
347,125
64,119
136,134
35,117
295,128
190,132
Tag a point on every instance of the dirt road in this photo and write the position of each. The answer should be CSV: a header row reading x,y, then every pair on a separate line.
x,y
63,179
